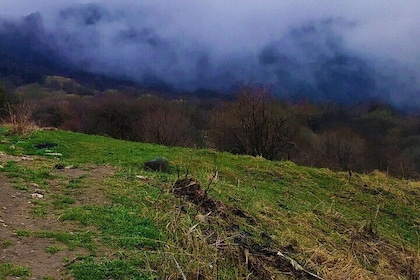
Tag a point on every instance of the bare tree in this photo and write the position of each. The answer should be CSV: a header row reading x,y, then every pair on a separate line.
x,y
167,124
343,149
255,124
112,114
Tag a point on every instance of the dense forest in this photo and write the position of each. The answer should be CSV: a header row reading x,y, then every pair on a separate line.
x,y
367,136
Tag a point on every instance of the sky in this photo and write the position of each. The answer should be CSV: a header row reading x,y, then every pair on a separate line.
x,y
191,44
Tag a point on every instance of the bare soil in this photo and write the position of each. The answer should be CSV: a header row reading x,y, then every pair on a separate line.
x,y
15,215
27,251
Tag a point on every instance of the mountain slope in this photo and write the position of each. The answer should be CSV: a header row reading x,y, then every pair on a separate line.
x,y
215,215
109,46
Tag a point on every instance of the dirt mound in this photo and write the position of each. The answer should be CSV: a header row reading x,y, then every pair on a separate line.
x,y
192,191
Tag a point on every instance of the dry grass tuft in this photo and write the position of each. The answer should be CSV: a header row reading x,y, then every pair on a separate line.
x,y
367,257
20,119
336,264
195,249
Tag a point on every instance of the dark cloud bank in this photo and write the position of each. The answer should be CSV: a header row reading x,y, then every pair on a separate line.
x,y
323,53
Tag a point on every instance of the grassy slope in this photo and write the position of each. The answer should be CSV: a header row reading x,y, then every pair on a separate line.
x,y
365,226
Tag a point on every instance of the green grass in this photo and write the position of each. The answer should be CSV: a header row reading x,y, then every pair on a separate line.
x,y
73,240
62,201
39,173
314,211
8,269
39,208
122,269
23,233
120,226
53,249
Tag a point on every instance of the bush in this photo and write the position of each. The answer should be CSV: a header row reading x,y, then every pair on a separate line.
x,y
20,118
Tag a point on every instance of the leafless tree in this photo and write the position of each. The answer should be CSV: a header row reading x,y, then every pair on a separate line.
x,y
256,123
167,124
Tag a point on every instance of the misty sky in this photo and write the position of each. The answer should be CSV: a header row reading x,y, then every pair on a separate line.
x,y
194,44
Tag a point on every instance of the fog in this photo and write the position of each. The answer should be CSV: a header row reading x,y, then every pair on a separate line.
x,y
342,51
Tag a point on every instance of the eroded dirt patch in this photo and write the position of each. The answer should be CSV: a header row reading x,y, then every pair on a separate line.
x,y
26,251
95,172
91,180
18,245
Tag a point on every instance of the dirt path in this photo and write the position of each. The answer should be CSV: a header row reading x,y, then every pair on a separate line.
x,y
16,218
31,252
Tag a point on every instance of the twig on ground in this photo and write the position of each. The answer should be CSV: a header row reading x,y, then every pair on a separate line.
x,y
179,268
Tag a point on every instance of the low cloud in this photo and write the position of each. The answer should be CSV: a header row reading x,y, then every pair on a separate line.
x,y
325,49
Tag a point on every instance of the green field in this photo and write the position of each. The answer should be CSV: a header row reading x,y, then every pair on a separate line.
x,y
250,218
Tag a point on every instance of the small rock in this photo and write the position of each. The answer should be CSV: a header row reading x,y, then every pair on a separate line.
x,y
34,185
37,196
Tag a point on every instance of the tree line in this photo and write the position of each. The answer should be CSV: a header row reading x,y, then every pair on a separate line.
x,y
362,138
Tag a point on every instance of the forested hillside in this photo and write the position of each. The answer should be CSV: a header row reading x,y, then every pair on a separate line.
x,y
366,136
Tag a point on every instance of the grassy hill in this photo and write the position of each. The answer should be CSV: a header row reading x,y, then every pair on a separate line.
x,y
213,216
